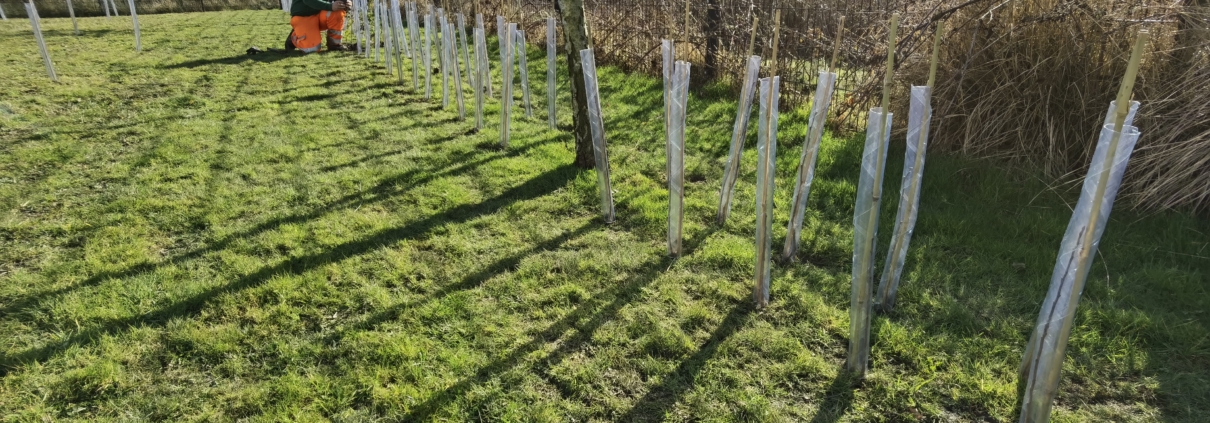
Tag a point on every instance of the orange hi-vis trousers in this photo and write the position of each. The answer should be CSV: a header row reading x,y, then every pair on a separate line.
x,y
309,30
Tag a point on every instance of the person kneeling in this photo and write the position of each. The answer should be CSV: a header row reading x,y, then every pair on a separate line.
x,y
310,19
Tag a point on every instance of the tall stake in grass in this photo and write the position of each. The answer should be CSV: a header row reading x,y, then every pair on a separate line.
x,y
810,151
521,51
506,91
596,124
134,19
1043,360
740,132
766,164
912,173
32,11
75,28
428,57
865,220
679,99
551,66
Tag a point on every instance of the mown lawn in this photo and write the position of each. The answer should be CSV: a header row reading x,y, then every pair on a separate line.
x,y
194,234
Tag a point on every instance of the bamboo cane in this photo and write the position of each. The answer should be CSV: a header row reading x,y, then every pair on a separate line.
x,y
766,162
889,284
810,153
1040,382
859,336
836,46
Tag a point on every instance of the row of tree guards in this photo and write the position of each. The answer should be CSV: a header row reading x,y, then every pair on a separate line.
x,y
1042,362
388,32
35,22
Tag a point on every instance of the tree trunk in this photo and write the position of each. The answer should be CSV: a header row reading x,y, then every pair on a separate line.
x,y
713,18
575,38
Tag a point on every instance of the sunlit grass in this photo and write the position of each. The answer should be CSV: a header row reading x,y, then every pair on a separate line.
x,y
194,234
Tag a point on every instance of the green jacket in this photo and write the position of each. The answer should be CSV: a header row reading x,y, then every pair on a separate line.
x,y
309,7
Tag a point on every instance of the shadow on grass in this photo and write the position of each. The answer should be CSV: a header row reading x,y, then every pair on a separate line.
x,y
662,397
266,57
838,399
539,186
379,192
470,282
585,320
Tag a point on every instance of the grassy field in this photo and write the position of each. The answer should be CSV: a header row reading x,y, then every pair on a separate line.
x,y
194,234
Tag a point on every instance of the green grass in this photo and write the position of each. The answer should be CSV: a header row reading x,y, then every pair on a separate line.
x,y
194,234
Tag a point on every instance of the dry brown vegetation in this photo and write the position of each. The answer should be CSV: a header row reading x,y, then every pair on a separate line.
x,y
1025,81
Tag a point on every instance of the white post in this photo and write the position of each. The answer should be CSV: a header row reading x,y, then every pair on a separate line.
x,y
589,65
72,11
32,12
551,65
521,53
134,18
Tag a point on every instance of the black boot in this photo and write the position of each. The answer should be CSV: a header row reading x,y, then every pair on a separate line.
x,y
290,42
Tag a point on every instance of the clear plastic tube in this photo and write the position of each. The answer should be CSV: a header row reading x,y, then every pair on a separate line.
x,y
403,29
865,234
134,18
551,66
739,134
397,39
376,30
388,44
766,168
806,163
522,54
353,17
1043,361
443,64
453,52
501,27
506,91
114,5
919,114
487,65
676,156
414,40
668,54
72,11
481,61
596,124
428,57
466,54
32,12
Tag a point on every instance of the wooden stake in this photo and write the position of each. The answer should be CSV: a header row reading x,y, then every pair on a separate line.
x,y
936,52
836,47
884,294
776,36
886,106
687,2
752,37
1123,109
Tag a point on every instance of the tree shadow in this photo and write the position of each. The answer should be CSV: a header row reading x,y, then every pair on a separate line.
x,y
592,315
838,399
539,186
660,398
379,192
266,57
470,282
